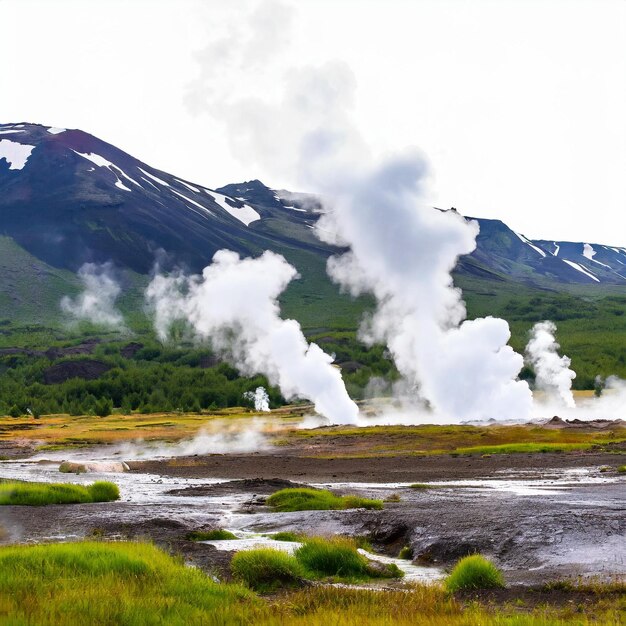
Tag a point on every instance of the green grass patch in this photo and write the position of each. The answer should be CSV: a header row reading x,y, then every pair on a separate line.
x,y
266,569
406,552
622,469
286,535
422,486
40,494
528,448
303,499
217,534
338,558
113,583
474,572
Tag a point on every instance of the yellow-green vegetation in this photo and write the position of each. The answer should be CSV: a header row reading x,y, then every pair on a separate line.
x,y
116,583
266,569
528,448
381,441
286,535
52,432
474,572
406,552
217,534
133,584
430,605
338,557
303,499
39,494
622,469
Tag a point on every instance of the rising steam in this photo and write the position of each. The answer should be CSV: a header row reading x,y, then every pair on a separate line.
x,y
403,251
552,373
96,303
260,399
234,306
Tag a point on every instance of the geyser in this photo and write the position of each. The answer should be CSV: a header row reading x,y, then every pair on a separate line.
x,y
233,304
403,252
552,373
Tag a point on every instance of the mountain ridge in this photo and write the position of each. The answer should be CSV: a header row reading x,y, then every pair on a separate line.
x,y
67,197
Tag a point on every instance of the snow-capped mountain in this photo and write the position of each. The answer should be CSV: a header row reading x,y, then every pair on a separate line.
x,y
67,197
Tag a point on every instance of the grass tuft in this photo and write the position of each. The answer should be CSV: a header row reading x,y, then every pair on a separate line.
x,y
304,499
217,534
338,557
266,569
286,535
40,494
406,552
474,572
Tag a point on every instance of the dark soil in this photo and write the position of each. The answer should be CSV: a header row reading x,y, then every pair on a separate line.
x,y
291,465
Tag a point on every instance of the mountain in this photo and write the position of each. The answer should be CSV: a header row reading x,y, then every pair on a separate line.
x,y
67,197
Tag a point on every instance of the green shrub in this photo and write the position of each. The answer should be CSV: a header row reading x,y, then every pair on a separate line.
x,y
332,557
621,469
305,499
218,534
266,569
474,572
286,535
406,553
339,557
104,491
39,494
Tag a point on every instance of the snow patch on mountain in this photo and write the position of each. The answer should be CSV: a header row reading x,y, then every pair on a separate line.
x,y
581,269
190,187
532,245
245,214
100,161
204,209
15,154
55,131
11,131
153,177
589,253
557,248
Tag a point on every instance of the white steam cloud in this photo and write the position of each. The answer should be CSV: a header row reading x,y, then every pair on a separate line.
x,y
234,305
260,398
552,373
401,250
96,303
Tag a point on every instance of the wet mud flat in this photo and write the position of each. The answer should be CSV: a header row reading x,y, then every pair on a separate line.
x,y
540,517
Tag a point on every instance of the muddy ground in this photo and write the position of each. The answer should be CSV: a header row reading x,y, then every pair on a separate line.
x,y
539,516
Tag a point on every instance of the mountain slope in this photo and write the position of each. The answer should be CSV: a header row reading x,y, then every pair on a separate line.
x,y
67,197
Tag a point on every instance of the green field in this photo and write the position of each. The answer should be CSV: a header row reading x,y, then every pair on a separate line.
x,y
134,584
174,377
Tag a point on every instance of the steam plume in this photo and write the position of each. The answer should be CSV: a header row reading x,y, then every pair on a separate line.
x,y
401,250
260,398
234,305
552,372
96,303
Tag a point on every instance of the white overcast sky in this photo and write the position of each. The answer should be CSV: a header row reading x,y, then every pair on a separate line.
x,y
519,104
